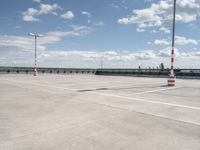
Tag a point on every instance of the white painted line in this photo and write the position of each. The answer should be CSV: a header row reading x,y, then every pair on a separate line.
x,y
147,101
158,90
42,85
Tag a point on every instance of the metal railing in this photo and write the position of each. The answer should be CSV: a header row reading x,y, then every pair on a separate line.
x,y
180,73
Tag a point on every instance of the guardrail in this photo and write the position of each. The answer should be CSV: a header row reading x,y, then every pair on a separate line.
x,y
29,70
180,73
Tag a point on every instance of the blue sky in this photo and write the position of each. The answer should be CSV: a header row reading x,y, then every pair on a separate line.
x,y
79,33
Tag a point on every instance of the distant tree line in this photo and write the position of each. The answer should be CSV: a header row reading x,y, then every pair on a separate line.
x,y
160,67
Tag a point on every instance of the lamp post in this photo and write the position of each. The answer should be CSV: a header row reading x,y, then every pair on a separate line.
x,y
35,36
171,80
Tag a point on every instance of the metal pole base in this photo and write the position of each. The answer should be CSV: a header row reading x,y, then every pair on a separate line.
x,y
171,80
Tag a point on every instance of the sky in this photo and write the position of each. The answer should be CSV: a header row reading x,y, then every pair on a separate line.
x,y
85,33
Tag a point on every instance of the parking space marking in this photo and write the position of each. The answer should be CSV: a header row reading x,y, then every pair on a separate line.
x,y
147,101
158,90
42,85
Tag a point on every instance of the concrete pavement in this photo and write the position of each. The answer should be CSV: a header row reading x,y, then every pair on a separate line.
x,y
87,112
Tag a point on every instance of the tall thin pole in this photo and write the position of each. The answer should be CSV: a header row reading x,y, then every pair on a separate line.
x,y
35,51
173,41
35,66
171,80
35,71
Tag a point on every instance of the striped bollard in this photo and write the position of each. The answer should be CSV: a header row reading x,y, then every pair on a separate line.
x,y
172,78
171,81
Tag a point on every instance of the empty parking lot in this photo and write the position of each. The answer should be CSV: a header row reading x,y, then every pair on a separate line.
x,y
87,112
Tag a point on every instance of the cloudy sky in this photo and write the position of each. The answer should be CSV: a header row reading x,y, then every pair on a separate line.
x,y
83,33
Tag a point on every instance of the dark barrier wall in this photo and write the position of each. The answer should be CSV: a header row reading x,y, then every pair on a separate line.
x,y
29,70
180,73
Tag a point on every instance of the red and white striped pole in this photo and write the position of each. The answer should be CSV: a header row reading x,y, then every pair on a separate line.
x,y
171,80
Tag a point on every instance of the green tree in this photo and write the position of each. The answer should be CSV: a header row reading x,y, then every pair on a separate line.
x,y
139,68
162,67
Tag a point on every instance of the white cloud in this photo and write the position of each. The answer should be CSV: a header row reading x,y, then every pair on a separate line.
x,y
56,36
148,1
49,37
155,31
124,21
99,23
184,41
166,30
86,13
140,30
160,14
18,27
68,15
31,14
115,6
27,43
38,1
48,8
16,50
89,21
166,53
20,52
179,40
161,42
